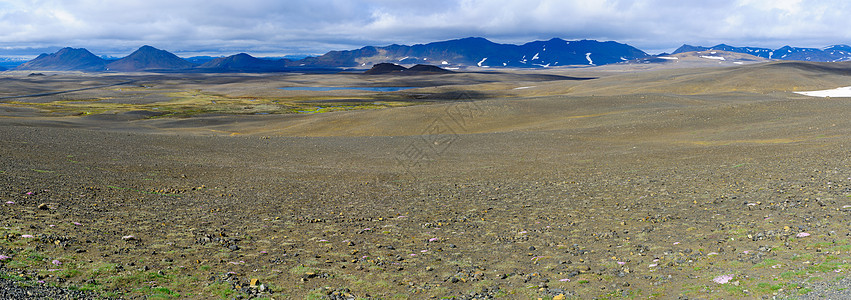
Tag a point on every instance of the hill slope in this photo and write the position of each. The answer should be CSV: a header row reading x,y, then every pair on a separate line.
x,y
243,63
149,58
697,59
66,59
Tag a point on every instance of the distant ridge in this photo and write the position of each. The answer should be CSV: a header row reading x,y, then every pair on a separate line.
x,y
833,53
471,52
149,58
704,58
66,59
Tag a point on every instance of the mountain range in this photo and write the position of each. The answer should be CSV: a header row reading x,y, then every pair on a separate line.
x,y
451,54
830,54
484,53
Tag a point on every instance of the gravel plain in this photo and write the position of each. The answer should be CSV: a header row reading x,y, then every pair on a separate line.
x,y
558,196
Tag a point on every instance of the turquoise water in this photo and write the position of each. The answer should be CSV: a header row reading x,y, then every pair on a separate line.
x,y
335,88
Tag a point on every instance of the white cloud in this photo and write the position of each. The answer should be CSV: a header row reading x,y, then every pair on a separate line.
x,y
321,25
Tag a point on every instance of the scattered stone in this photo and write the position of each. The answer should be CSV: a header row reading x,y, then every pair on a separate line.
x,y
11,289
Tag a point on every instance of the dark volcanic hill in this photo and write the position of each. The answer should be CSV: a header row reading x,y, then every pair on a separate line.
x,y
243,63
149,58
421,68
385,68
66,59
483,53
391,68
830,54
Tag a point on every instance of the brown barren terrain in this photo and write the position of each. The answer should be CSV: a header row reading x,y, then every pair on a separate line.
x,y
679,182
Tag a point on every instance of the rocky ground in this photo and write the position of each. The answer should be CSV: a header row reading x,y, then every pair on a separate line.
x,y
12,289
140,215
743,197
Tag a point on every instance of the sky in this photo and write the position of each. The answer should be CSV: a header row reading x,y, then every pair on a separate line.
x,y
287,27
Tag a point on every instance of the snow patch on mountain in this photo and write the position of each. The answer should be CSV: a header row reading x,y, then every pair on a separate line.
x,y
712,57
482,61
588,57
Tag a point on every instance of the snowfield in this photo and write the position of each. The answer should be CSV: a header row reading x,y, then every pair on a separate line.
x,y
712,57
837,92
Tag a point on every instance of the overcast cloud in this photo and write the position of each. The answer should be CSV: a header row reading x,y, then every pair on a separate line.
x,y
275,27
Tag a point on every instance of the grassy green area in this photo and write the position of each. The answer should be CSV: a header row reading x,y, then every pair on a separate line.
x,y
189,103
